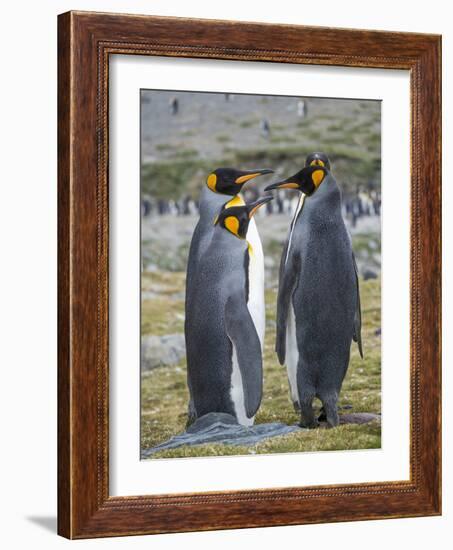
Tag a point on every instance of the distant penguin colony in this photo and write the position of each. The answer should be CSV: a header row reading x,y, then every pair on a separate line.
x,y
318,304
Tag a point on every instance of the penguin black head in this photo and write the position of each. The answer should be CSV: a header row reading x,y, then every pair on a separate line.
x,y
236,219
307,180
318,159
230,181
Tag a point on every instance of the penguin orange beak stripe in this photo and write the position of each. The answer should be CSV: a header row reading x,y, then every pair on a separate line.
x,y
243,179
247,177
252,212
258,204
284,185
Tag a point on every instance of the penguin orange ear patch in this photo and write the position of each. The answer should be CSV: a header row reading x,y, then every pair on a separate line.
x,y
317,177
232,224
212,181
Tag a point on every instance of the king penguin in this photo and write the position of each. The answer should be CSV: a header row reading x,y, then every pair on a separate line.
x,y
318,305
221,184
224,356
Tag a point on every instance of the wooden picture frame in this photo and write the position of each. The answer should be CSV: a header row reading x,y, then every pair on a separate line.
x,y
85,42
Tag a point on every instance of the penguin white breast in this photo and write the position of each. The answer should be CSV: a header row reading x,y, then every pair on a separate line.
x,y
292,351
255,302
237,393
292,354
300,203
257,311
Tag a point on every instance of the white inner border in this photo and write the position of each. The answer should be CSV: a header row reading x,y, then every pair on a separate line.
x,y
129,475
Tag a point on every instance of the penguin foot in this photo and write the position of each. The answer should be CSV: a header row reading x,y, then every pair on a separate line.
x,y
189,422
296,407
191,414
331,412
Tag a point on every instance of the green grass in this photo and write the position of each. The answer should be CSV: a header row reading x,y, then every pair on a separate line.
x,y
164,392
183,154
164,146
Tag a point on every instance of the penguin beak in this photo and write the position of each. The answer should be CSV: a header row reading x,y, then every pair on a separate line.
x,y
253,207
285,184
250,174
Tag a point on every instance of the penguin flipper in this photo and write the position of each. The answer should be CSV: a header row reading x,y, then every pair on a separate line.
x,y
242,333
357,334
286,286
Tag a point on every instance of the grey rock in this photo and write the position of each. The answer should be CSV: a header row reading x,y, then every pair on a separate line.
x,y
160,351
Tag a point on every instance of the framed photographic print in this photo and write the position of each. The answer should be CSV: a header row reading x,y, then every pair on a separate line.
x,y
249,275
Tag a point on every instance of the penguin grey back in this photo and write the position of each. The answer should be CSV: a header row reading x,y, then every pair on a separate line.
x,y
209,206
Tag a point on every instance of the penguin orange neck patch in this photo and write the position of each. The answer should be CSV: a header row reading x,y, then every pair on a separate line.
x,y
235,201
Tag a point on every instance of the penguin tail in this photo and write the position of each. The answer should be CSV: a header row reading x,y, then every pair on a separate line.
x,y
359,343
358,339
281,352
